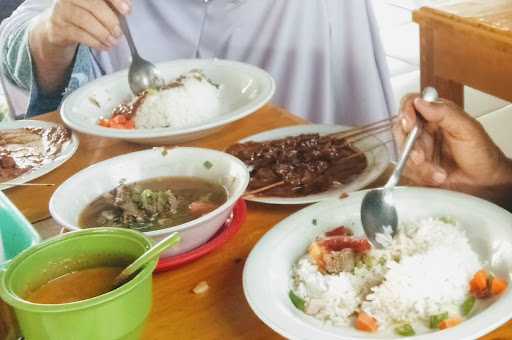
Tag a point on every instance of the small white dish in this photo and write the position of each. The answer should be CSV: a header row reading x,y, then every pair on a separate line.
x,y
72,196
266,276
244,90
68,150
377,156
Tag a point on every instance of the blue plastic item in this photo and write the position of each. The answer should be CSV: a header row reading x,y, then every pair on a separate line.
x,y
17,233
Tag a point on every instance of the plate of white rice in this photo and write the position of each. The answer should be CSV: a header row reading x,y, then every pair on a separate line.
x,y
444,238
203,96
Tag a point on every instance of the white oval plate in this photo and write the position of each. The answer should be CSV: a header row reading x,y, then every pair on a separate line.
x,y
267,270
68,150
378,161
244,90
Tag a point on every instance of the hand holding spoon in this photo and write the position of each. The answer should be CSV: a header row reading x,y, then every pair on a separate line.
x,y
378,212
142,260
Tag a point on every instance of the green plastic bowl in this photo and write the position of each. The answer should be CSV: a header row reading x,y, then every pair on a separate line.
x,y
17,233
117,315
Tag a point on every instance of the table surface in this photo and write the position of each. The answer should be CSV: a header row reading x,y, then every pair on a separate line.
x,y
222,312
493,15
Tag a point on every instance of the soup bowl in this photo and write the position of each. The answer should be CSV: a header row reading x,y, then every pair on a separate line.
x,y
117,315
76,193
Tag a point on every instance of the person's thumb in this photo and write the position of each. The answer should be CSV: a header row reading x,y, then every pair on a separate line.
x,y
447,116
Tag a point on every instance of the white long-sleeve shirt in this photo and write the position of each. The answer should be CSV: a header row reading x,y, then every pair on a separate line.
x,y
325,55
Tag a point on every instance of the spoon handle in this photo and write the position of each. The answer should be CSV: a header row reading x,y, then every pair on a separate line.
x,y
409,144
149,255
429,94
128,35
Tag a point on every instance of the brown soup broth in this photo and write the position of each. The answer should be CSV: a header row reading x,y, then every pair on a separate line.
x,y
75,286
185,189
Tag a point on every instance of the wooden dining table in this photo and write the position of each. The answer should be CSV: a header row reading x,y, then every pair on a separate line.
x,y
466,42
178,313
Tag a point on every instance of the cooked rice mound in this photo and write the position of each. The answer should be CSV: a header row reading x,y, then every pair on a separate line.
x,y
425,272
189,100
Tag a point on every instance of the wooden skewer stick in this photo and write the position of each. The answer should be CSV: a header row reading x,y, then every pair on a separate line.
x,y
376,132
265,188
363,133
362,129
28,184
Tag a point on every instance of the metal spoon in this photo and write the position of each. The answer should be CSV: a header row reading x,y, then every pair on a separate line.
x,y
142,74
378,212
142,260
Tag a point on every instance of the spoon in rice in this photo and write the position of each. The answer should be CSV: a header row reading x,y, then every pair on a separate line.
x,y
378,212
142,74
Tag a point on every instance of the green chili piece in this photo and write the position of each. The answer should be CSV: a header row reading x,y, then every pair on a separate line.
x,y
405,330
297,301
468,305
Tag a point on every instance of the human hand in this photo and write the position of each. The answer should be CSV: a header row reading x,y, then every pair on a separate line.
x,y
90,22
468,159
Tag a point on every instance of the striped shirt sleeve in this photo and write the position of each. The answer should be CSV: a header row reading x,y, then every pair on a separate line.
x,y
19,69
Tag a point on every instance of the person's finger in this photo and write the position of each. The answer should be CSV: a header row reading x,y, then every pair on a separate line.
x,y
425,143
104,13
122,6
425,174
83,37
408,112
407,101
85,21
398,131
422,149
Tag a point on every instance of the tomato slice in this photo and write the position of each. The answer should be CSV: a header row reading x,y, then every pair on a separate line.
x,y
340,231
338,243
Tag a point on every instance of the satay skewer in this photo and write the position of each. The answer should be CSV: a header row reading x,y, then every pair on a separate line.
x,y
277,184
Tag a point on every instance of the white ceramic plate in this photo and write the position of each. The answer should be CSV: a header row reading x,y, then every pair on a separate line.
x,y
67,151
245,89
378,160
267,270
215,166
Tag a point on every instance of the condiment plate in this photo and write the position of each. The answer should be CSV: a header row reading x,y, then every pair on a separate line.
x,y
378,160
67,152
230,228
266,276
244,90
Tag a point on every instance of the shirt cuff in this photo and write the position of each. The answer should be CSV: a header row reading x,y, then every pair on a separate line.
x,y
80,74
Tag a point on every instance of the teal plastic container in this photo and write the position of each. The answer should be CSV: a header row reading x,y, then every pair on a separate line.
x,y
17,233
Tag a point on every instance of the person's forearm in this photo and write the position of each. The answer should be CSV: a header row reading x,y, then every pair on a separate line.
x,y
51,62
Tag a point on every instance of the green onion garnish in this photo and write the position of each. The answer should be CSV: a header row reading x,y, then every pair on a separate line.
x,y
208,165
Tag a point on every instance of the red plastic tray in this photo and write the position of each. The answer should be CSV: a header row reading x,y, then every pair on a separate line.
x,y
224,234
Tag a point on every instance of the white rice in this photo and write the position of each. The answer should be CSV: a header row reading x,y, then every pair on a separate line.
x,y
426,271
195,101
